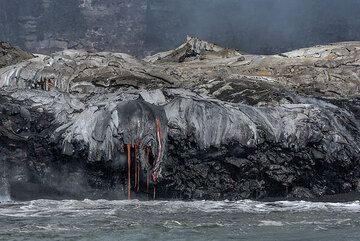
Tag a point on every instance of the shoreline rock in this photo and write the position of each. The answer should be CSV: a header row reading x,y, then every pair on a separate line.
x,y
210,126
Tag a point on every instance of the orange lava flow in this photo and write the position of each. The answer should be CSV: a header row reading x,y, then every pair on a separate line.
x,y
148,171
159,138
138,176
154,196
158,135
129,170
136,166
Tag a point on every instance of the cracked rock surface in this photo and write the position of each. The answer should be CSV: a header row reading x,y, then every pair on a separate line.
x,y
197,122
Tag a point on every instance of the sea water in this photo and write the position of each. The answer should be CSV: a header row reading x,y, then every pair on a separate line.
x,y
178,220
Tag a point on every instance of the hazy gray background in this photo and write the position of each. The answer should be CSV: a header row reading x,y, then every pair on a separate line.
x,y
146,26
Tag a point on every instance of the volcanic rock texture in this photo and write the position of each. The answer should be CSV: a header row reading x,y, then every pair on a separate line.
x,y
197,122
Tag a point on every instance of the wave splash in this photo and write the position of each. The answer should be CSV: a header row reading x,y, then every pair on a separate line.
x,y
91,207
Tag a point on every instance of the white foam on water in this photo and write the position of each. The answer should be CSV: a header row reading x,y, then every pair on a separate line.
x,y
51,228
172,224
318,223
90,207
271,223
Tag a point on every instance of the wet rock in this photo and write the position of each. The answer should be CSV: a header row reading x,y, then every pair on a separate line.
x,y
317,154
301,193
358,186
239,163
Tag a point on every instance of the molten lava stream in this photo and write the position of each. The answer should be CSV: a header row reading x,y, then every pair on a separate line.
x,y
159,137
136,167
147,153
129,170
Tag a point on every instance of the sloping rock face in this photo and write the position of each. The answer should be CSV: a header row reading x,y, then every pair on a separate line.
x,y
10,55
198,122
78,71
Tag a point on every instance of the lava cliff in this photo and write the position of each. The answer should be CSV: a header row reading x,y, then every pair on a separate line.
x,y
197,122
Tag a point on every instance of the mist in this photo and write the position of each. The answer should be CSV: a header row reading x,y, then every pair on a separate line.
x,y
255,26
142,27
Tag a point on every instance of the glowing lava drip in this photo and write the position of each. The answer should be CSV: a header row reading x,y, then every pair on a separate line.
x,y
147,153
151,172
129,170
160,149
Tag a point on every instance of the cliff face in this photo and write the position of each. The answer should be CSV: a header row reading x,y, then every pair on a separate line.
x,y
140,27
197,122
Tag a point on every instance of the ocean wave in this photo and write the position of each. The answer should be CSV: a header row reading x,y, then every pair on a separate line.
x,y
105,207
